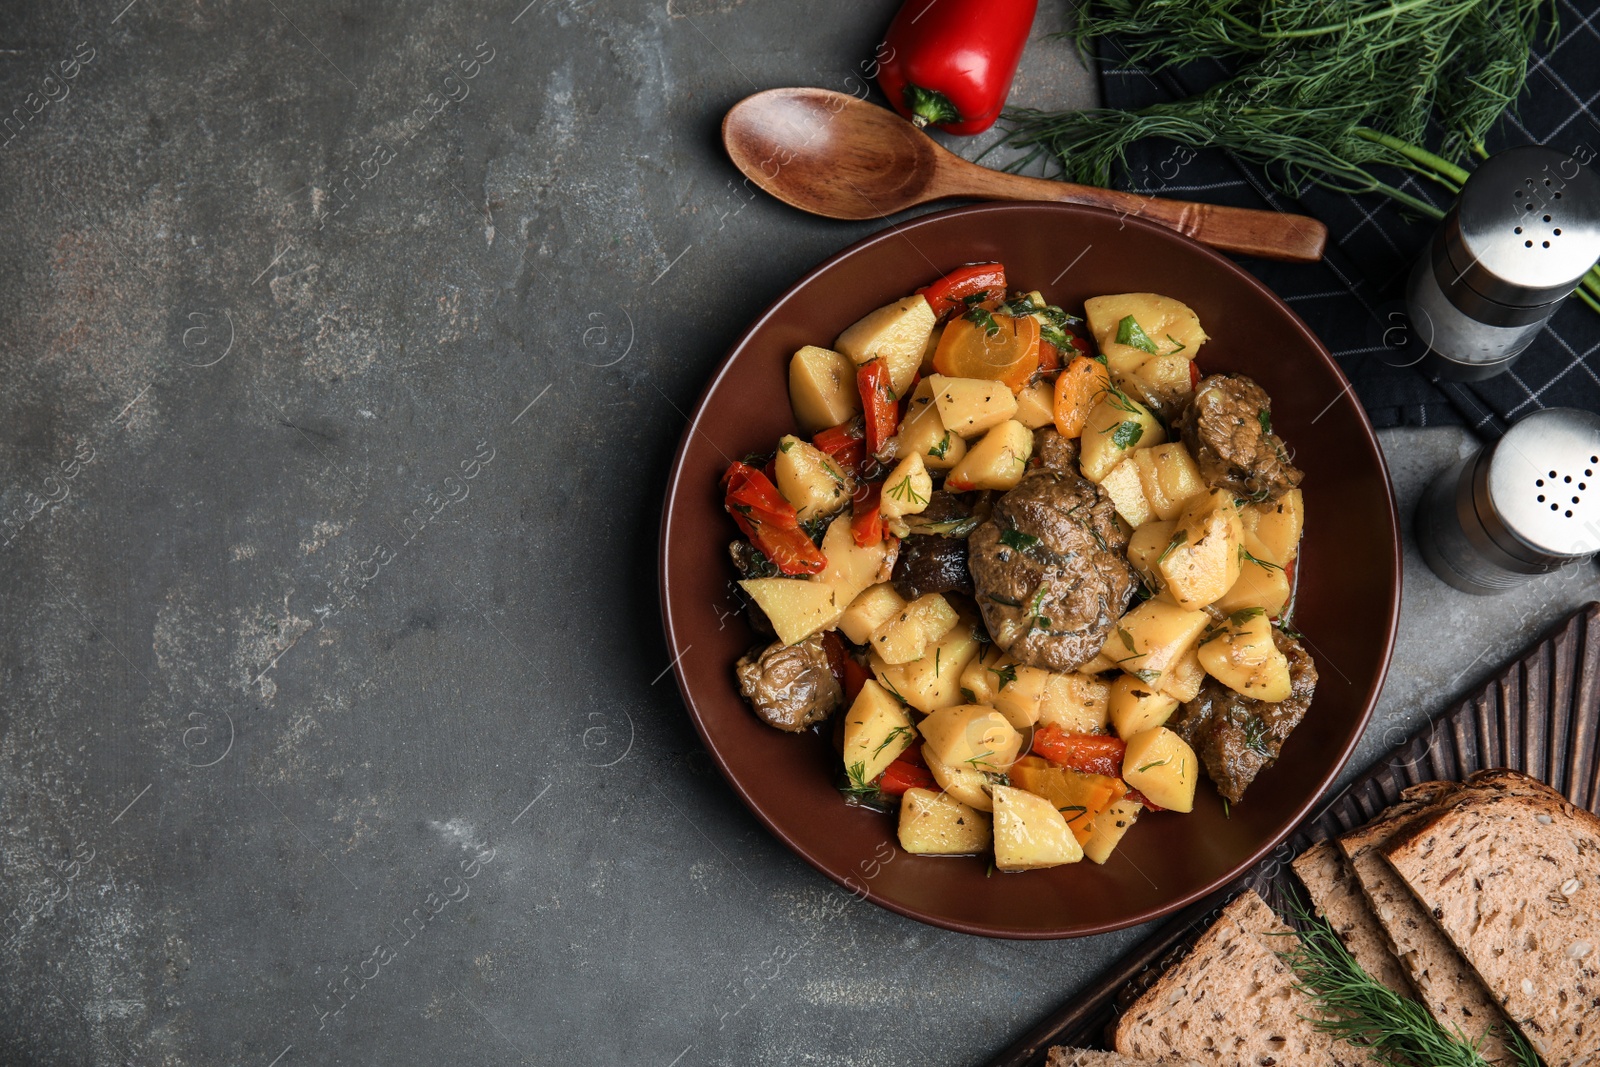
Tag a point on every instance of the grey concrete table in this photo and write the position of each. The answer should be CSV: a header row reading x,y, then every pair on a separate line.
x,y
344,347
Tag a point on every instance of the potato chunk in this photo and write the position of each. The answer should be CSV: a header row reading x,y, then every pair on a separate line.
x,y
937,824
904,637
1036,405
1136,706
1117,425
1126,490
972,406
875,606
1149,640
810,479
1076,703
1204,564
897,334
822,388
996,462
983,676
1261,584
907,489
1169,477
1130,328
924,433
1278,526
1029,833
851,568
970,787
932,681
876,730
1162,766
970,735
1243,656
796,607
1110,828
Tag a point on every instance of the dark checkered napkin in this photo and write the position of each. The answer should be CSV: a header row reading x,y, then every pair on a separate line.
x,y
1352,299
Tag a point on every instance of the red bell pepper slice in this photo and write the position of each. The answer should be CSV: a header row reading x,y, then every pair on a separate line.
x,y
1089,753
833,646
951,64
769,521
845,444
877,404
1194,374
1139,798
949,294
866,515
908,771
855,677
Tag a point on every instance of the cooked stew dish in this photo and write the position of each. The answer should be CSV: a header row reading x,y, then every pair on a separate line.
x,y
1031,573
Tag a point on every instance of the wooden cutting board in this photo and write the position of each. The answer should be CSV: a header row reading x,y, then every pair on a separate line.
x,y
1540,715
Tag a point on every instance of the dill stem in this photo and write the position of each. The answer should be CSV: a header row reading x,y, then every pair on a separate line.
x,y
1344,27
1438,165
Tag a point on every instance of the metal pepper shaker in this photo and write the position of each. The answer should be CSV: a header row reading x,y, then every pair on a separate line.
x,y
1525,505
1523,232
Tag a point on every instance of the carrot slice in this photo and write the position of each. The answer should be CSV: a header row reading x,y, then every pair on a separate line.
x,y
1077,389
989,346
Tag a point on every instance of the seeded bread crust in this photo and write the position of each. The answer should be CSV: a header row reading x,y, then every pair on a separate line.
x,y
1510,871
1060,1056
1444,982
1231,1002
1336,894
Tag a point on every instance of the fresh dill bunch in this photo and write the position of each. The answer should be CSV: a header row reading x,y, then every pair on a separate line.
x,y
1323,92
1358,1009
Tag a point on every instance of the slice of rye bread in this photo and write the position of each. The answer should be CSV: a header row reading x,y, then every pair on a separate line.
x,y
1231,1002
1061,1056
1510,871
1336,895
1444,982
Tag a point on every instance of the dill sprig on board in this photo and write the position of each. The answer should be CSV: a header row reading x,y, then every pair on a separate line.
x,y
1323,92
1357,1008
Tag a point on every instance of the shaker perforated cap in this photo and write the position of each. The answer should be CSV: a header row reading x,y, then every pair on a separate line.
x,y
1540,498
1526,227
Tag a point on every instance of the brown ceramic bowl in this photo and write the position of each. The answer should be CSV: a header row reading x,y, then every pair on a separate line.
x,y
1349,582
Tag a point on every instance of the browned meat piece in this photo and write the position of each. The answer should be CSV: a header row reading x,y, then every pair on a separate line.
x,y
931,565
947,515
791,686
1049,572
1237,737
1054,452
1228,428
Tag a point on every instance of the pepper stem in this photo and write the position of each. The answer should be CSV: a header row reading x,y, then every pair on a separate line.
x,y
929,107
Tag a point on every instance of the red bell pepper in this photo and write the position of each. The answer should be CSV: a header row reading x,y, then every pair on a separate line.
x,y
877,404
866,515
1194,375
1089,753
908,771
769,521
833,646
949,294
855,676
844,443
1139,798
950,63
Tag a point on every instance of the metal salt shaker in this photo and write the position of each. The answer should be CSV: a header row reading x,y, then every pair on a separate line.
x,y
1525,505
1523,232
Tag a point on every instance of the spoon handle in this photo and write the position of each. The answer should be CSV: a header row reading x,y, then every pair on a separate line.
x,y
1246,231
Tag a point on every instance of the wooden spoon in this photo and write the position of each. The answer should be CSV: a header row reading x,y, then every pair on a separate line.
x,y
836,155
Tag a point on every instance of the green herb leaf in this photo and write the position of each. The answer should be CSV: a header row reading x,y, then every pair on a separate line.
x,y
1079,811
1155,763
785,445
968,696
1148,677
1244,615
1177,345
1126,435
940,450
1006,674
982,317
1018,540
1130,333
1177,539
1244,556
1127,639
906,493
1264,416
889,739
